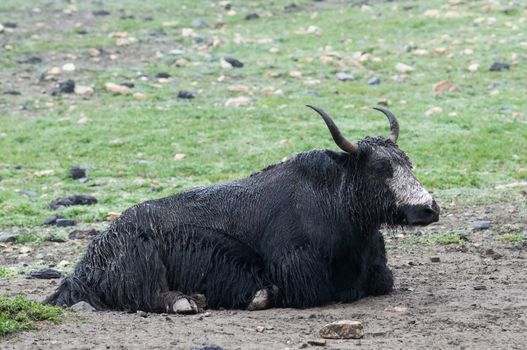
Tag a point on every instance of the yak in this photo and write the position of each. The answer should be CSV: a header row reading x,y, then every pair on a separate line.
x,y
300,233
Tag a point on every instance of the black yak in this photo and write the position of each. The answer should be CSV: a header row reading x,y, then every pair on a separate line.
x,y
300,233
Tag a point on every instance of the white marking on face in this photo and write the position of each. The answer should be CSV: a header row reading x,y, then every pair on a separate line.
x,y
407,189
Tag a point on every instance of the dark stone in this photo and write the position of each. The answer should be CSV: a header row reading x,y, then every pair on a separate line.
x,y
251,16
128,84
30,60
185,94
65,222
12,92
11,25
8,237
207,347
77,199
234,62
99,13
480,287
125,17
82,31
52,220
77,172
435,259
54,238
45,274
163,75
66,87
83,234
481,225
374,81
499,67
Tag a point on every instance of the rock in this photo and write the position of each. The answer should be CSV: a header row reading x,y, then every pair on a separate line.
x,y
95,52
128,84
100,13
8,237
398,309
435,259
444,85
83,306
499,67
251,16
481,225
139,96
185,94
55,238
317,342
65,87
118,89
199,23
52,220
383,102
142,313
45,274
295,74
208,347
473,67
1,28
233,62
65,222
77,172
83,234
260,301
30,60
433,110
10,25
113,216
54,71
374,81
344,329
163,75
185,306
12,92
181,62
404,68
480,287
344,76
83,90
259,329
238,101
68,67
77,199
239,88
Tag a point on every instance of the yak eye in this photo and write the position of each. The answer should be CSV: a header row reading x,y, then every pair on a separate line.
x,y
380,168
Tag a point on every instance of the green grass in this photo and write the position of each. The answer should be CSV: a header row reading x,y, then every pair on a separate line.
x,y
130,144
6,273
441,238
515,237
18,313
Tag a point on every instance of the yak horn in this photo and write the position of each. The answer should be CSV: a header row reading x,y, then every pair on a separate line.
x,y
394,125
340,140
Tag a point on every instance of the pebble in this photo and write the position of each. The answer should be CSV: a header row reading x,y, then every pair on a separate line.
x,y
317,342
404,68
435,259
374,81
185,94
163,75
259,329
83,306
98,13
51,220
118,89
344,76
45,274
481,225
139,96
499,67
8,237
128,84
68,67
199,23
77,172
82,234
83,90
65,87
234,62
30,60
65,222
344,329
480,287
142,313
55,71
251,16
77,199
113,216
238,101
1,28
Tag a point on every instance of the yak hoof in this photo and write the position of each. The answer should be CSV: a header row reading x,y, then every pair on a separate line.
x,y
185,306
260,301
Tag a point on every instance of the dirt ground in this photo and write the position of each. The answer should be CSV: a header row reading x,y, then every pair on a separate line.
x,y
473,298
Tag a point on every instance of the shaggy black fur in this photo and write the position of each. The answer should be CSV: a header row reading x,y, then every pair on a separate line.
x,y
307,228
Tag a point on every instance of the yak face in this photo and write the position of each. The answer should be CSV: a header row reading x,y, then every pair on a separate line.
x,y
381,178
389,185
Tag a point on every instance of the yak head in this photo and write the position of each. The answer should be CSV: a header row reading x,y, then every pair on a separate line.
x,y
379,179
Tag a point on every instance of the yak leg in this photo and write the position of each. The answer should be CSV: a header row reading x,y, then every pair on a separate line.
x,y
301,276
263,299
179,303
379,277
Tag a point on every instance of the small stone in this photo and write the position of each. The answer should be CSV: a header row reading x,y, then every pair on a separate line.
x,y
100,13
139,96
480,287
481,225
163,75
45,274
55,71
259,329
238,101
444,85
295,74
374,81
83,306
344,76
67,86
433,110
184,94
179,156
78,199
499,67
344,329
128,84
51,220
118,89
473,67
404,68
383,102
8,237
199,23
12,92
238,88
435,259
142,313
83,234
30,60
251,16
233,62
77,172
94,52
68,67
113,216
317,342
83,90
1,28
184,306
181,62
65,222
